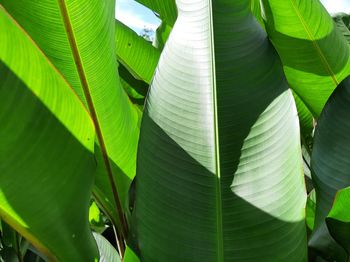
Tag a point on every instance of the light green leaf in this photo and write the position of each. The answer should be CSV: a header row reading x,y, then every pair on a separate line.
x,y
310,209
330,165
96,219
130,255
219,163
306,120
162,35
166,9
107,252
135,53
338,220
46,156
79,38
306,39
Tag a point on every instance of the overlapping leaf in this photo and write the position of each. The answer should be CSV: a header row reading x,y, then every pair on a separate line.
x,y
330,165
135,53
315,55
46,154
219,166
338,219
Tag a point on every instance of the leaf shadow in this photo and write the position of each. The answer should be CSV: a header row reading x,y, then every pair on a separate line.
x,y
37,171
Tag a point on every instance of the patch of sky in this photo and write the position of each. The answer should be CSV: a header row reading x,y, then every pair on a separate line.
x,y
337,6
138,17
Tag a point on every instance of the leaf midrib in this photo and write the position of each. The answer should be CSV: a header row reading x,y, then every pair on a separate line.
x,y
219,229
84,83
322,57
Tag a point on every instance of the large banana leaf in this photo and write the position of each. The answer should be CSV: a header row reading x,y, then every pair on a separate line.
x,y
219,173
315,55
305,116
79,38
338,219
330,165
46,151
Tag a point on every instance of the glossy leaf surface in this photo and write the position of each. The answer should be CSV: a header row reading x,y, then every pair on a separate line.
x,y
219,145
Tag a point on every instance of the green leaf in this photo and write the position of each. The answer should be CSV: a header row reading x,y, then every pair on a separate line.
x,y
219,174
46,156
107,252
136,89
8,235
8,254
166,9
342,21
306,39
162,35
310,209
135,53
96,218
130,255
79,38
338,220
256,10
330,165
306,119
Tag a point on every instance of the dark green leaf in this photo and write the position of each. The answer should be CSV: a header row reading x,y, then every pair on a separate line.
x,y
338,219
330,165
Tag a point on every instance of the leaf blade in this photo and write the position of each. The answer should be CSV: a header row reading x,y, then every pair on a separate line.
x,y
330,166
305,36
27,157
177,211
59,28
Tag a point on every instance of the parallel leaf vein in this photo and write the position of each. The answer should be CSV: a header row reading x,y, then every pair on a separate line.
x,y
322,57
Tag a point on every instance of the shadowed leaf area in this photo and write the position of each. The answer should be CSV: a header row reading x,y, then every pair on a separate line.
x,y
30,169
